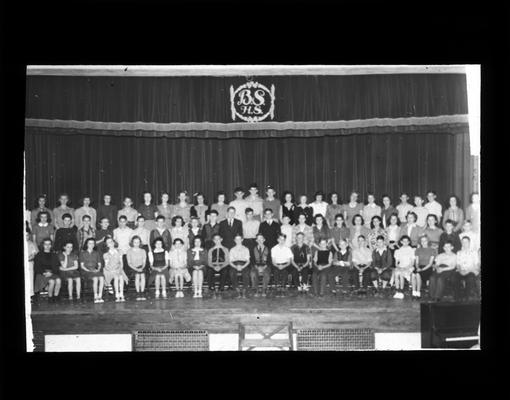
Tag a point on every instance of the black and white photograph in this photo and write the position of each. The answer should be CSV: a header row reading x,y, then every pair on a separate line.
x,y
240,207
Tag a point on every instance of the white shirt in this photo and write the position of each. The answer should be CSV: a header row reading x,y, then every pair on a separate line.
x,y
474,243
319,208
240,206
404,255
421,214
403,209
467,261
434,208
143,233
239,253
287,230
281,254
250,229
122,237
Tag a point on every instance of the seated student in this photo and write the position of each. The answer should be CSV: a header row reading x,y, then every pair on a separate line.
x,y
260,266
467,272
85,231
250,229
129,212
387,210
197,263
393,231
361,261
194,230
122,236
404,265
303,208
229,228
281,258
165,209
114,269
199,208
210,229
357,229
104,231
382,263
91,263
333,209
444,268
449,235
41,207
179,230
376,230
69,269
42,229
67,233
158,265
178,258
270,228
217,262
162,232
85,209
322,261
220,206
239,204
286,229
136,258
255,202
148,210
403,208
239,260
424,260
320,231
432,231
301,260
420,211
343,267
46,268
352,208
272,202
32,250
319,206
454,213
182,208
63,208
411,229
288,207
474,237
107,210
338,231
142,232
370,210
304,228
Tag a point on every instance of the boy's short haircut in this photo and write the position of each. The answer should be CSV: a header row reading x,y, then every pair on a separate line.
x,y
104,218
248,210
159,217
67,215
213,212
86,216
268,209
123,217
140,217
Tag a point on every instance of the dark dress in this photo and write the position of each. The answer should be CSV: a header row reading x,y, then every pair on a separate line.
x,y
75,273
45,262
91,262
290,212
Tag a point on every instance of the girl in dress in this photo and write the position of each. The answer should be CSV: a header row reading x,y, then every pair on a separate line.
x,y
333,209
288,207
179,231
404,265
200,208
41,207
376,230
386,210
320,231
454,213
91,265
432,231
43,229
194,230
165,209
158,260
220,206
357,229
179,266
304,208
69,269
393,232
319,206
182,208
352,208
46,267
113,269
136,259
197,261
32,250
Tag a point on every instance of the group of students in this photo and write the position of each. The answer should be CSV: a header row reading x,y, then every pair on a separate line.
x,y
359,246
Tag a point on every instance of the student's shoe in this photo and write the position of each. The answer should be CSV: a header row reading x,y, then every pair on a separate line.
x,y
122,299
110,289
195,295
300,288
177,295
401,295
418,294
396,295
117,299
199,295
163,293
100,300
96,300
156,295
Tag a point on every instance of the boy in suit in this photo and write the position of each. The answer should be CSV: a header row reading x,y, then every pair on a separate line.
x,y
229,228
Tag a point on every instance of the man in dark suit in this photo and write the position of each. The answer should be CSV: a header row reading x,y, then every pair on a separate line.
x,y
270,229
229,228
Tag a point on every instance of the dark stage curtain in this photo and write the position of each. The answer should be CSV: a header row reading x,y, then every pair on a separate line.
x,y
198,99
383,163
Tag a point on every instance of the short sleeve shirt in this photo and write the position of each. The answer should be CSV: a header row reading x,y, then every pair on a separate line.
x,y
423,255
281,254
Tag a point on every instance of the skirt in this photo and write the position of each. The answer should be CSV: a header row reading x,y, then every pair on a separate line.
x,y
90,275
70,274
41,281
110,275
153,273
405,272
179,272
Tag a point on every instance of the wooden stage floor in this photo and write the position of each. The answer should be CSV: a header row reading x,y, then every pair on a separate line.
x,y
223,315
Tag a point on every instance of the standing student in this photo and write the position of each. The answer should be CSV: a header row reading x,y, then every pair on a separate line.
x,y
210,229
376,230
444,268
91,263
229,228
114,269
303,208
272,202
255,202
220,206
339,231
433,207
194,230
182,208
86,230
129,212
404,265
301,260
382,263
148,210
357,229
404,207
320,231
333,209
288,207
322,261
178,259
165,209
411,228
454,213
179,231
67,233
107,210
63,208
85,209
387,210
319,206
467,271
420,211
41,207
46,268
449,235
250,229
270,229
239,204
69,269
361,261
343,267
136,258
162,232
352,208
102,233
122,236
239,260
142,232
281,258
424,260
42,229
32,250
370,210
199,208
217,262
473,212
393,231
158,264
261,266
197,263
304,228
286,229
432,231
474,237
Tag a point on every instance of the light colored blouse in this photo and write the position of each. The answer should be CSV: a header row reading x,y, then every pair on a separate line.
x,y
112,260
178,258
136,257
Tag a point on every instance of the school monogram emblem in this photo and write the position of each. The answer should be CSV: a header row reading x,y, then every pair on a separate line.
x,y
252,102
